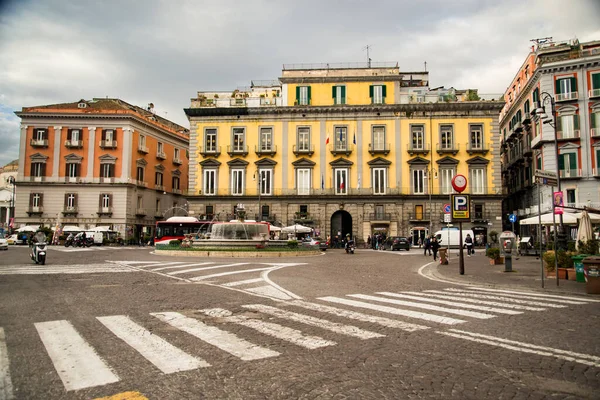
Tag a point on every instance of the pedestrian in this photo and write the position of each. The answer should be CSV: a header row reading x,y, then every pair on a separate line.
x,y
435,246
427,246
420,242
469,243
369,241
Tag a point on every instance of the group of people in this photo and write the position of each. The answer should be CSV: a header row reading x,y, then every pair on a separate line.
x,y
377,241
430,245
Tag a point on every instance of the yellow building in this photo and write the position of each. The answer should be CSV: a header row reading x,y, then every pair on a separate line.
x,y
345,149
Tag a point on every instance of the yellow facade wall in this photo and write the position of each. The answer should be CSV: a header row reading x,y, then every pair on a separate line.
x,y
357,93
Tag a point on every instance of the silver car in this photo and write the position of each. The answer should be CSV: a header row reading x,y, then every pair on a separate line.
x,y
3,243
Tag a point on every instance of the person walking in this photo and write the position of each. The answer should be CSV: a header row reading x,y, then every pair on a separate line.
x,y
369,241
435,246
469,243
427,246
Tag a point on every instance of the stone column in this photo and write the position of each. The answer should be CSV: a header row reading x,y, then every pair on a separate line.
x,y
56,156
22,148
126,152
91,148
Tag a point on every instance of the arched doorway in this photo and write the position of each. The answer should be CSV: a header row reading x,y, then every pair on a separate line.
x,y
418,232
341,224
480,233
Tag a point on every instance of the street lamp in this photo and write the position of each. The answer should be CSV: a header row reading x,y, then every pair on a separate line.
x,y
12,181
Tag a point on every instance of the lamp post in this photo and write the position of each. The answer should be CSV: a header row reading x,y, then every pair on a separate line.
x,y
12,181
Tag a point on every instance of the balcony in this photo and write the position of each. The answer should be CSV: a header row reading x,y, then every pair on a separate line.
x,y
526,119
416,149
210,151
72,179
568,135
418,217
142,149
140,212
481,217
38,142
161,155
594,93
271,218
70,211
74,144
177,161
596,172
566,96
35,210
237,102
451,149
303,217
379,149
36,178
303,150
265,150
158,214
379,217
108,144
177,191
141,184
106,211
160,188
536,142
107,179
570,174
240,150
595,132
527,151
337,149
518,127
477,149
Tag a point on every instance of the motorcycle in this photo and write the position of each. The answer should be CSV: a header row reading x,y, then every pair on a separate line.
x,y
69,240
350,247
83,242
38,252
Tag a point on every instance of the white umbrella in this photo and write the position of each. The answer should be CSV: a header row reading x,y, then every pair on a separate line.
x,y
584,233
547,219
100,229
28,228
274,228
594,218
72,228
296,229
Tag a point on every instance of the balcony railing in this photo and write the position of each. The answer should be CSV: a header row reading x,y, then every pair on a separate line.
x,y
72,179
596,172
423,149
36,178
142,149
237,102
108,144
565,135
526,118
237,150
271,218
177,161
567,96
74,143
177,191
161,156
70,210
105,211
518,127
594,93
38,142
481,216
453,149
140,212
141,183
418,217
339,149
210,151
35,210
572,173
477,149
595,132
527,147
380,216
303,150
160,188
379,149
265,150
105,179
302,217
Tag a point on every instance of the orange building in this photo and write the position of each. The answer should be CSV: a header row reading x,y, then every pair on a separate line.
x,y
102,162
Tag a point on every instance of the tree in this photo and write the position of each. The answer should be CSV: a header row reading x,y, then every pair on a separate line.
x,y
472,95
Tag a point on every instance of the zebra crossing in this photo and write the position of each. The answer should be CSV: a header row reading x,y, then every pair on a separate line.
x,y
80,366
96,248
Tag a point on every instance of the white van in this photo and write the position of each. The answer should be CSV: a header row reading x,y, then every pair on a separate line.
x,y
98,237
452,236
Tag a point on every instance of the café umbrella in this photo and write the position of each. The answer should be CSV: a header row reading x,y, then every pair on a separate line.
x,y
584,233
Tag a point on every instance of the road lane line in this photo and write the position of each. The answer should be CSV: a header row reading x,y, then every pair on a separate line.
x,y
348,330
200,278
462,293
520,347
387,322
393,310
223,340
452,303
431,307
206,268
6,387
159,352
445,295
161,264
285,333
532,294
180,266
240,283
269,291
76,362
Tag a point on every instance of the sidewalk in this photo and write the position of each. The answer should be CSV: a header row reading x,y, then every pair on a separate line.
x,y
526,274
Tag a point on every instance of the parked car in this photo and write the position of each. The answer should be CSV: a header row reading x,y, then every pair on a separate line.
x,y
397,243
316,241
12,239
3,243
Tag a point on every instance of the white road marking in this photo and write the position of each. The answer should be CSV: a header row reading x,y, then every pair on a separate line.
x,y
240,283
446,295
269,291
532,294
200,278
291,335
76,362
6,387
393,310
223,340
180,266
265,276
464,313
462,293
348,330
206,268
161,264
61,269
585,359
452,303
159,352
387,322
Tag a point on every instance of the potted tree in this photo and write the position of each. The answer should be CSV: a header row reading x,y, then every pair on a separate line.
x,y
493,253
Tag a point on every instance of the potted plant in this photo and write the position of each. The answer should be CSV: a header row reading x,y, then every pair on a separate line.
x,y
493,253
548,258
494,237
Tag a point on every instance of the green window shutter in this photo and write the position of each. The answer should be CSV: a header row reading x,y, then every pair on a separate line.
x,y
597,157
308,94
371,91
576,122
593,120
557,86
573,161
297,94
558,123
539,163
573,84
526,107
596,81
333,91
561,161
536,97
343,94
383,90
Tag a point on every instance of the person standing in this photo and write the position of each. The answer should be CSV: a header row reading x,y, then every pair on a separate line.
x,y
435,246
427,246
469,243
369,241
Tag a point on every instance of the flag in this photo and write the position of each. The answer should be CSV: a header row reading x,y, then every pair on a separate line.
x,y
322,181
327,140
341,136
358,185
354,140
341,181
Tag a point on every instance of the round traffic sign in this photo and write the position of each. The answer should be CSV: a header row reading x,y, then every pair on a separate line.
x,y
446,208
459,183
512,218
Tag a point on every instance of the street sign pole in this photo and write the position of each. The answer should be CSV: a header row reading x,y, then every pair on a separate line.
x,y
461,257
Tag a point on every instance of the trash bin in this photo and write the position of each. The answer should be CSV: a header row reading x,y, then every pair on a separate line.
x,y
591,269
443,256
578,262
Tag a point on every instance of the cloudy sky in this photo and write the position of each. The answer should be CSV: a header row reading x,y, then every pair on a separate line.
x,y
163,51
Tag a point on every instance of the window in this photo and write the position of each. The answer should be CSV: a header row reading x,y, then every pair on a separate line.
x,y
210,182
303,95
140,174
538,161
417,137
237,182
157,206
478,181
39,134
70,201
341,180
264,212
266,139
105,200
303,181
379,180
265,181
339,94
75,135
478,211
159,149
239,136
341,138
526,107
446,175
595,81
418,211
476,137
175,182
566,85
568,163
210,140
536,97
446,139
107,170
140,202
72,170
568,126
418,181
38,169
210,211
158,178
304,139
109,135
142,141
377,94
379,138
571,197
176,154
36,199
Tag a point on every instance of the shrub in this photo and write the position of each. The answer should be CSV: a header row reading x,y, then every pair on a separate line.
x,y
494,236
175,243
564,259
493,253
292,244
588,247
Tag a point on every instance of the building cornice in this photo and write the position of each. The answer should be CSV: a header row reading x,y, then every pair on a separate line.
x,y
340,79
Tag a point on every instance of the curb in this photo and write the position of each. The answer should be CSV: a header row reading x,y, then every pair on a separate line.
x,y
236,254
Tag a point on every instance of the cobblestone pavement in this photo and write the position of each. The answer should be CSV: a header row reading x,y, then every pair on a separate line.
x,y
367,325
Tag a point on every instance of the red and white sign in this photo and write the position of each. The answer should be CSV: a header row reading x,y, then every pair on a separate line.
x,y
459,183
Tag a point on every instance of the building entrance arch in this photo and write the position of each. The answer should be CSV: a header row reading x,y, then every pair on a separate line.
x,y
418,232
341,224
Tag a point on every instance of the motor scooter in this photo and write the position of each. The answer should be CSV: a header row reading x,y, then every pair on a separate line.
x,y
69,240
350,247
38,252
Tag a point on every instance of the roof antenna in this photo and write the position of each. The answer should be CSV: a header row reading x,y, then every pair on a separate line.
x,y
367,47
425,66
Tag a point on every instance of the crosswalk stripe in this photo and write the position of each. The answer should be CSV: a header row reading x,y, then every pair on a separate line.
x,y
387,322
448,296
452,303
207,268
464,313
348,330
180,266
159,264
6,388
223,340
159,352
502,298
291,335
540,295
393,310
526,297
200,278
41,270
269,291
76,362
246,282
